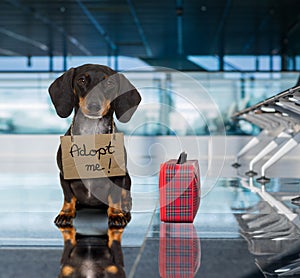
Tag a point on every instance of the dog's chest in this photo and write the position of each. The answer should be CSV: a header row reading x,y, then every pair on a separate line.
x,y
91,191
85,126
90,129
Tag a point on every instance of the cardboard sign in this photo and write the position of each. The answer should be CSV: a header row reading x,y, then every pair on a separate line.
x,y
93,156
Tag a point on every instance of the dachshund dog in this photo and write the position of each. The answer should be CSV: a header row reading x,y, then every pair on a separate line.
x,y
90,256
95,93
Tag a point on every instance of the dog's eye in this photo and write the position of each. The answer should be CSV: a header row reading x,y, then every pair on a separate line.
x,y
81,81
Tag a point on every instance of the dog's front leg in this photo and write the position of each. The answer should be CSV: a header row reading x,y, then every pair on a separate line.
x,y
119,206
68,211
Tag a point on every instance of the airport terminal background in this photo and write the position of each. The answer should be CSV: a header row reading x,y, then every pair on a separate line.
x,y
243,228
171,116
163,89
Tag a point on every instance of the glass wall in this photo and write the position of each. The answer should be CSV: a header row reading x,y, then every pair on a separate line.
x,y
173,102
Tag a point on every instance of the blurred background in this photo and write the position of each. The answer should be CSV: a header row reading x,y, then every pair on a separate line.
x,y
240,52
195,63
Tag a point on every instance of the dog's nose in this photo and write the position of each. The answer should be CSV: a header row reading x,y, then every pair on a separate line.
x,y
94,107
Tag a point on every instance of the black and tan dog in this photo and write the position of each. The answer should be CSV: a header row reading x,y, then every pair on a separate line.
x,y
95,93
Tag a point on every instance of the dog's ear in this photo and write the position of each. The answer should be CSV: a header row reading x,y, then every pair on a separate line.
x,y
127,100
61,93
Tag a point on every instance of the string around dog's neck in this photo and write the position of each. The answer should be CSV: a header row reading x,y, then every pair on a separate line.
x,y
111,128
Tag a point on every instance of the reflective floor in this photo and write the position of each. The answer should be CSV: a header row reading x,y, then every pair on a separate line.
x,y
242,229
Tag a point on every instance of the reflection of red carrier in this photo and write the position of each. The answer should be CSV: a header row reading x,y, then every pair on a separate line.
x,y
179,188
179,250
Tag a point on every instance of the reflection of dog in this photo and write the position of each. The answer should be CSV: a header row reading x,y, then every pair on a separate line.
x,y
91,256
95,93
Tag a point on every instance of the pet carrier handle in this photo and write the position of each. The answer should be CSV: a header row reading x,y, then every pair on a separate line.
x,y
182,158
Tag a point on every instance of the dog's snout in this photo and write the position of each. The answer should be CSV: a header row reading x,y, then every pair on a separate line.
x,y
94,107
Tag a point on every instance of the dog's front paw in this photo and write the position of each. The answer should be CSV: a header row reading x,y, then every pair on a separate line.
x,y
67,213
64,220
119,221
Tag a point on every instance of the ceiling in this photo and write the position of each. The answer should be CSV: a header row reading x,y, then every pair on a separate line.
x,y
154,30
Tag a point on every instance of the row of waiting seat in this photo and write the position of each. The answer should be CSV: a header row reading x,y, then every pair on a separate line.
x,y
279,120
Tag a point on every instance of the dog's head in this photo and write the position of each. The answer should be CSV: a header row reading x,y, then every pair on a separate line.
x,y
95,89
